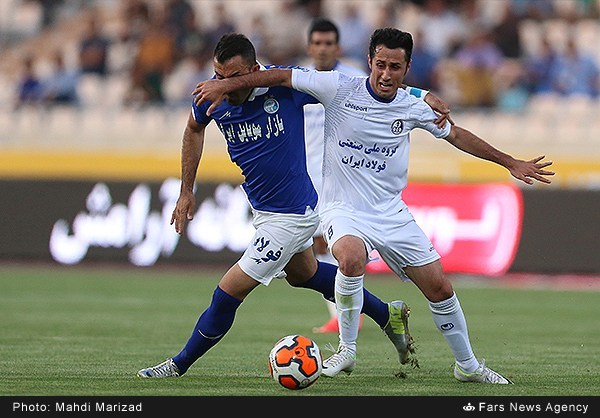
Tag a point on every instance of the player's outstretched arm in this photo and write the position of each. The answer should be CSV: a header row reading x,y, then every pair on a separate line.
x,y
191,152
526,171
215,90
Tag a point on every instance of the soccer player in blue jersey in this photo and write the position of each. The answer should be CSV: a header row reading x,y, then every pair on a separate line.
x,y
264,131
368,121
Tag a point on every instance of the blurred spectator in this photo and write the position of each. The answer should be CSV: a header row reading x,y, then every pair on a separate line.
x,y
471,13
575,72
224,23
29,86
195,41
286,47
513,98
479,51
588,9
122,54
506,33
181,19
50,9
533,9
478,61
61,86
190,71
443,29
136,18
422,71
259,35
385,15
511,90
93,49
538,68
154,60
355,31
313,8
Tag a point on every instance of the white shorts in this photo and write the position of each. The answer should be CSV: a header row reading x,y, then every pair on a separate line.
x,y
277,239
397,238
319,231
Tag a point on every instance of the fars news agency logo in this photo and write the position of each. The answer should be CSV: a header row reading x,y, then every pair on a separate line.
x,y
547,408
468,407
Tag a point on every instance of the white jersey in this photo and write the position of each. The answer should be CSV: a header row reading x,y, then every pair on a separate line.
x,y
367,140
314,117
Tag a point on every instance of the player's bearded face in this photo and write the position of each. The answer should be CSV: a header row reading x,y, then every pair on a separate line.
x,y
234,67
388,68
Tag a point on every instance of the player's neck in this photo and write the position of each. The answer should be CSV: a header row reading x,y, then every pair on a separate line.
x,y
327,67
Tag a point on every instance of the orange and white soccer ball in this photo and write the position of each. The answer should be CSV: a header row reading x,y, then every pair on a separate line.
x,y
295,362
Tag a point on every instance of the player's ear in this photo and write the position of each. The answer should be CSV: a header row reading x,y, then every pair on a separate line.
x,y
255,67
408,67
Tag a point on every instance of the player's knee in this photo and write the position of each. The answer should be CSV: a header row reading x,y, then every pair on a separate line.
x,y
351,255
299,278
295,281
352,266
440,290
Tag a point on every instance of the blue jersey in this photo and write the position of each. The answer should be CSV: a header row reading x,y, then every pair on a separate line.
x,y
265,138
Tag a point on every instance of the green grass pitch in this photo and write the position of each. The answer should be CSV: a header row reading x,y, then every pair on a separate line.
x,y
75,331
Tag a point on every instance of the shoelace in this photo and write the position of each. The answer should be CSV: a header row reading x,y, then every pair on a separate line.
x,y
330,347
489,375
337,358
164,369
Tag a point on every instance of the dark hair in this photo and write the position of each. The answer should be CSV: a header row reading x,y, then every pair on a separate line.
x,y
232,45
323,25
391,38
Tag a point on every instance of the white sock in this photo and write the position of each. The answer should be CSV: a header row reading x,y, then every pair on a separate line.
x,y
349,301
450,320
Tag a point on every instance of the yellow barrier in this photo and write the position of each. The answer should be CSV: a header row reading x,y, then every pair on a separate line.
x,y
109,166
428,167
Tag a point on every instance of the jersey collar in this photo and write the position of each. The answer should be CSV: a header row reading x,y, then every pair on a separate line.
x,y
375,95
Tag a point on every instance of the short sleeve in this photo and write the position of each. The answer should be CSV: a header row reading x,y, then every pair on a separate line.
x,y
320,84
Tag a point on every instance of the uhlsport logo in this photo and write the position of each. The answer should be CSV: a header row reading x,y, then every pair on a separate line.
x,y
271,105
397,126
356,107
447,326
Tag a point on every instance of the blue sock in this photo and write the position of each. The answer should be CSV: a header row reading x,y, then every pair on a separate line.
x,y
212,325
324,282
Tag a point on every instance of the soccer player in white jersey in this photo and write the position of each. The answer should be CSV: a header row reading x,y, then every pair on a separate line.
x,y
367,126
264,131
324,50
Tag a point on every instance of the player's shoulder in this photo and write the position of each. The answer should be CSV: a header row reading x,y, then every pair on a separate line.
x,y
351,70
407,98
417,108
406,102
